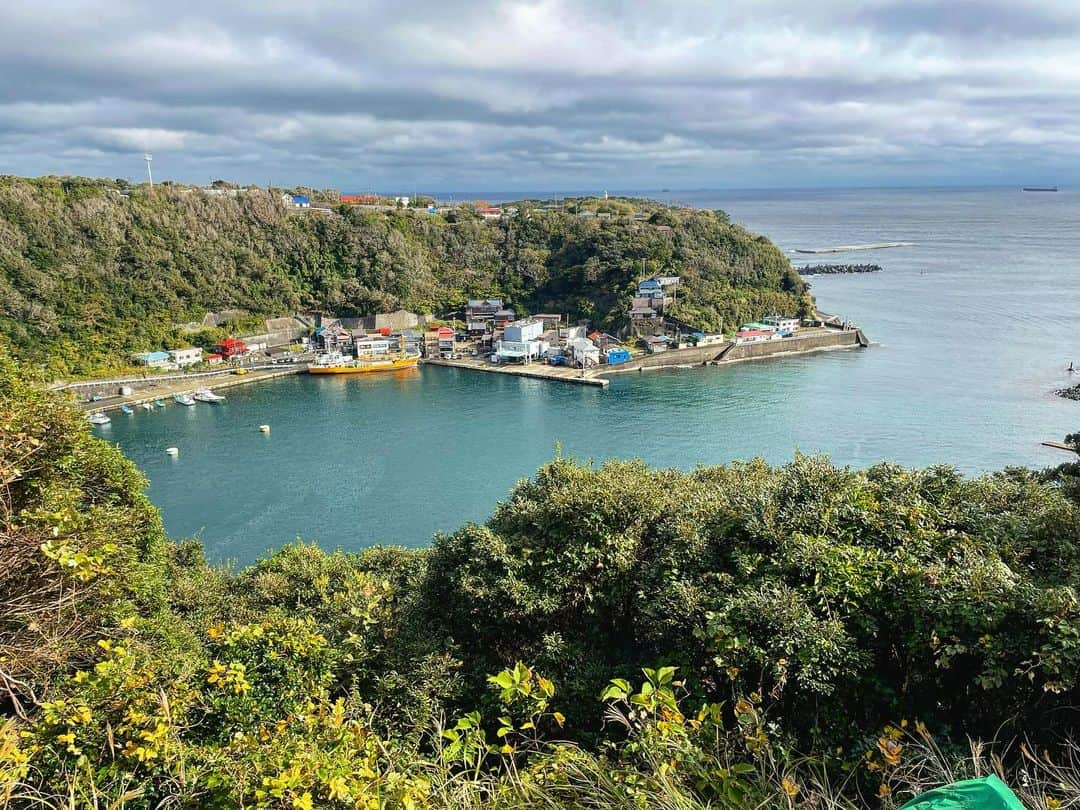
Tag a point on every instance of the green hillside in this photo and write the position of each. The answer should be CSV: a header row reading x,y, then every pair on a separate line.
x,y
91,275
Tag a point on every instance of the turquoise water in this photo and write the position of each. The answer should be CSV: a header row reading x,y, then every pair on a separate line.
x,y
975,326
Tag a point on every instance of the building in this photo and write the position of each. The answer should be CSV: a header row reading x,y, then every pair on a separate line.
x,y
446,340
482,309
214,359
753,336
368,345
231,347
523,331
548,319
707,340
402,201
781,323
476,327
153,359
186,357
616,357
300,201
584,351
359,199
657,343
519,351
642,313
332,338
503,317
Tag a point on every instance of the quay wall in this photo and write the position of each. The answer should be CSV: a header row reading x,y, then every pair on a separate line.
x,y
729,353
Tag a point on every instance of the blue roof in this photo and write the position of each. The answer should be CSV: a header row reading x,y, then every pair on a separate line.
x,y
300,199
149,356
648,285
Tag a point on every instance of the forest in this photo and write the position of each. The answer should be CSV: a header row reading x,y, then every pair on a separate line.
x,y
94,270
612,636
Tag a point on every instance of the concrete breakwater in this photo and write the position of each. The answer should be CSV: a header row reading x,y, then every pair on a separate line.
x,y
814,341
829,269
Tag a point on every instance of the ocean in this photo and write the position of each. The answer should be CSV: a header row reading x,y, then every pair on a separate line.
x,y
974,326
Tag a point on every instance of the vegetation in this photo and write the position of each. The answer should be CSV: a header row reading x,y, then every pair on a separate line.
x,y
613,637
94,270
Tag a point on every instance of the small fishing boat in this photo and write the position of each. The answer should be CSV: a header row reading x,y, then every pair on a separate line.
x,y
98,419
184,399
206,395
264,428
127,409
172,451
147,406
160,403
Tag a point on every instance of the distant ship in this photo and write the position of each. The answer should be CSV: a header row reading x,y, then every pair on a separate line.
x,y
1039,188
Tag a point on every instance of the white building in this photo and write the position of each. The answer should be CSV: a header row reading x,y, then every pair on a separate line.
x,y
523,331
185,357
585,352
366,347
782,323
518,351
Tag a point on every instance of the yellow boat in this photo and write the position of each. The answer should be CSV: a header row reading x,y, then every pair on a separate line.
x,y
346,365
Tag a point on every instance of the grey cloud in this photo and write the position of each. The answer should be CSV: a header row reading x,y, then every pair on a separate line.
x,y
540,94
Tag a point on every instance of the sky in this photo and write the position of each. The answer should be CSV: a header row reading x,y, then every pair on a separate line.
x,y
548,95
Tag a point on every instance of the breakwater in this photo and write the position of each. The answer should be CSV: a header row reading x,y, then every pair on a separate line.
x,y
811,341
849,248
831,269
1070,393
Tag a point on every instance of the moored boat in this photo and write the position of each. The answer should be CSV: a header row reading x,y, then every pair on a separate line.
x,y
160,403
147,406
338,363
184,399
98,418
206,395
127,409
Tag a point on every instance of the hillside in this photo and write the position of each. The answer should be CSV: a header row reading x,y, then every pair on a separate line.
x,y
91,275
615,636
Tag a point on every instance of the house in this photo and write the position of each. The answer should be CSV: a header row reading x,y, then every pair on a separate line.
x,y
482,309
446,340
667,281
781,323
153,359
604,341
753,336
584,352
402,201
300,201
707,340
186,357
548,319
657,343
214,359
649,287
615,357
476,327
490,212
523,331
332,338
231,347
359,199
503,317
642,313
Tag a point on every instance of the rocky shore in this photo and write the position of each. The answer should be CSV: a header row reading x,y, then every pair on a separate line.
x,y
829,269
1070,393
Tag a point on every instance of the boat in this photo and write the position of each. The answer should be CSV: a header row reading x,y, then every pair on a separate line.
x,y
338,363
147,406
184,399
264,428
172,451
126,409
206,395
160,403
98,418
1039,188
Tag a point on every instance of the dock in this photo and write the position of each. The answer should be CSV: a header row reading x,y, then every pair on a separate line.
x,y
536,371
847,248
151,390
1060,446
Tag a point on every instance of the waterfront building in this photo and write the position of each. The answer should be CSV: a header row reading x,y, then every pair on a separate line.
x,y
231,347
518,351
214,359
584,351
153,359
186,357
657,343
332,338
781,322
523,331
754,336
368,345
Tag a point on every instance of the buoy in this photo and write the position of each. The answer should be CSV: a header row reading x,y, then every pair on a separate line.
x,y
172,451
264,428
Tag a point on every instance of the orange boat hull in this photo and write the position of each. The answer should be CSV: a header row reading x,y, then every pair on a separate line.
x,y
367,366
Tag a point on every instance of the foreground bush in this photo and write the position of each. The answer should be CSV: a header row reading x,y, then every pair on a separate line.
x,y
812,636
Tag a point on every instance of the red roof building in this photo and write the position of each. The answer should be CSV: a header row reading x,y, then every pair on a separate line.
x,y
231,347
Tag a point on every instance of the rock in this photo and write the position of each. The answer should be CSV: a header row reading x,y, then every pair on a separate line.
x,y
828,269
1070,393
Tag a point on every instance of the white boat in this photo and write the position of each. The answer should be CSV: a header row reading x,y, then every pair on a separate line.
x,y
147,406
184,399
206,395
98,418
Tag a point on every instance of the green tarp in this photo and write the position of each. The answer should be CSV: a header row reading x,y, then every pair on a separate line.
x,y
988,793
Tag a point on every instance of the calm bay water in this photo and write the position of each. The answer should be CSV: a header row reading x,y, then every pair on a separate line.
x,y
975,326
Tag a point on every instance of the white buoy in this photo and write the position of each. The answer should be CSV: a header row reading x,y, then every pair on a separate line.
x,y
264,428
172,451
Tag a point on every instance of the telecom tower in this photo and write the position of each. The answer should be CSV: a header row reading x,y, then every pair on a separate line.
x,y
148,157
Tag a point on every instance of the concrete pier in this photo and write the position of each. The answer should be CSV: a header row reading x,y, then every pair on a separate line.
x,y
537,371
151,390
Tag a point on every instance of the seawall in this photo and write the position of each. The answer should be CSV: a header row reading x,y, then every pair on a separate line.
x,y
731,353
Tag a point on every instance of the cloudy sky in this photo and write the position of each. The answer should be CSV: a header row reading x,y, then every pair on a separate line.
x,y
546,95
